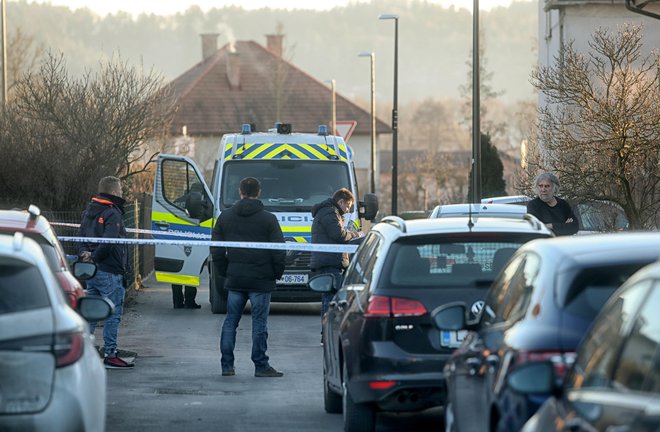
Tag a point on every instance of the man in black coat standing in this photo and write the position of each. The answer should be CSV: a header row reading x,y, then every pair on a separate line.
x,y
328,228
250,273
553,211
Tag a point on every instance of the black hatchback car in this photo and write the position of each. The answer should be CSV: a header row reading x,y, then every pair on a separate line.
x,y
381,351
538,309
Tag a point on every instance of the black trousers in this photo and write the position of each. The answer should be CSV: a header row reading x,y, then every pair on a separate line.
x,y
179,298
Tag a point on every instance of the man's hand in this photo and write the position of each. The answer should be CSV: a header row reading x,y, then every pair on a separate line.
x,y
86,256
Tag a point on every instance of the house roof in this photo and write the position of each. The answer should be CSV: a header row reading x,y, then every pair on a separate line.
x,y
230,88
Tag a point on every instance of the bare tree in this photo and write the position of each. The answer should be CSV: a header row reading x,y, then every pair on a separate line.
x,y
599,131
23,55
59,135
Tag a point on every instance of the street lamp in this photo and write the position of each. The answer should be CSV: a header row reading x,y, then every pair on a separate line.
x,y
334,105
395,127
476,120
372,56
3,18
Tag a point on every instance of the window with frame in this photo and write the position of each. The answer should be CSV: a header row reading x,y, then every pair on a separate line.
x,y
178,180
357,271
22,287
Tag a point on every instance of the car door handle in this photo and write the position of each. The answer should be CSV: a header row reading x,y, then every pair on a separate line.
x,y
163,225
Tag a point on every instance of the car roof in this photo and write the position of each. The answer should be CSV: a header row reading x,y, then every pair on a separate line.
x,y
23,221
650,271
397,227
508,199
594,248
477,210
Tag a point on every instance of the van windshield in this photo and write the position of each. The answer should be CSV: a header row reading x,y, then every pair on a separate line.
x,y
286,185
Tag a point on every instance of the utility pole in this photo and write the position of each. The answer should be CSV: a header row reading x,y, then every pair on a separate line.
x,y
476,120
3,18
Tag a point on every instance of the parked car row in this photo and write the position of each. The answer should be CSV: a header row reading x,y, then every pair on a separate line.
x,y
440,312
51,376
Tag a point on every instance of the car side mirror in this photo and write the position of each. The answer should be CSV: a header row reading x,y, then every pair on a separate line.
x,y
533,378
323,283
94,308
83,270
368,209
450,316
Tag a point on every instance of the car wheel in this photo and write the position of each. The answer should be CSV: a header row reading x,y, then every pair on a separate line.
x,y
358,417
450,420
332,401
217,294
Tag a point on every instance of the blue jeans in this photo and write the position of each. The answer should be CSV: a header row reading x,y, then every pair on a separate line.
x,y
260,303
108,285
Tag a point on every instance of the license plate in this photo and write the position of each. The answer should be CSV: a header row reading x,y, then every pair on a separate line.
x,y
451,338
293,279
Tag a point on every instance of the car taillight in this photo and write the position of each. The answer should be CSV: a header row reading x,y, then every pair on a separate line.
x,y
73,300
561,361
385,306
68,348
381,385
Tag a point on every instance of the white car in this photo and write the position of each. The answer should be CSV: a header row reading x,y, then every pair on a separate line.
x,y
477,210
51,377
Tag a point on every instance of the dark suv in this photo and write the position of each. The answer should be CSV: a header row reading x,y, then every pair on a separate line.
x,y
381,351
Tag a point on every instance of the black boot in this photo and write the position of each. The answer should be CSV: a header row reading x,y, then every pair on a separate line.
x,y
190,294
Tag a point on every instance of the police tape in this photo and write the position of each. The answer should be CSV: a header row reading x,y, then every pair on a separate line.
x,y
146,231
308,247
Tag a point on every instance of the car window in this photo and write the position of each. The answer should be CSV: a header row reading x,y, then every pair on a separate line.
x,y
591,288
638,367
510,294
356,272
21,287
598,352
441,261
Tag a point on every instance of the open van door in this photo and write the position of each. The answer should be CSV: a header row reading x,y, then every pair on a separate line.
x,y
181,204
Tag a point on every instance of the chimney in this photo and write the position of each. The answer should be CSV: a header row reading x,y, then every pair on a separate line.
x,y
233,69
274,43
209,44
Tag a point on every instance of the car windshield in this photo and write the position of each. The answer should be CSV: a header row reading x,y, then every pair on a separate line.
x,y
450,261
21,287
286,185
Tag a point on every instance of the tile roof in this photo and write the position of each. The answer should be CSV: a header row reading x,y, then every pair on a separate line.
x,y
209,105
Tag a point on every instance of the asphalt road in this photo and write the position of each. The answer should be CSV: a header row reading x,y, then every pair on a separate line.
x,y
176,384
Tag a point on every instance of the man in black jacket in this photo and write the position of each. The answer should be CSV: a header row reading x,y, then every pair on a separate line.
x,y
103,218
328,228
250,273
553,211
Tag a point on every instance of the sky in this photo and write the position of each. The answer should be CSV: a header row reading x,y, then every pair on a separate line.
x,y
168,7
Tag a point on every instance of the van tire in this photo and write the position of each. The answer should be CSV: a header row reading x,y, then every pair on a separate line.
x,y
217,293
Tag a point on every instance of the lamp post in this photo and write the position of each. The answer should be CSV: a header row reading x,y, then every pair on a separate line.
x,y
3,18
372,56
476,120
334,105
395,126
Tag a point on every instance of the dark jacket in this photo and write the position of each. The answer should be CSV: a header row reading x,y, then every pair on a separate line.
x,y
556,215
328,228
251,270
103,218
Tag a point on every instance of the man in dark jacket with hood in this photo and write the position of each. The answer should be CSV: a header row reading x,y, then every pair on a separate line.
x,y
328,228
103,218
250,273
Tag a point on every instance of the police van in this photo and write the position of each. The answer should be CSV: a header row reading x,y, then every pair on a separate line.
x,y
296,171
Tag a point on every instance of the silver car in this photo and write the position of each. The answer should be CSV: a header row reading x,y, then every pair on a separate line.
x,y
51,377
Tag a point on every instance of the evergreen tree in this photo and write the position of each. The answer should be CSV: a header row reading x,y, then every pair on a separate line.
x,y
492,171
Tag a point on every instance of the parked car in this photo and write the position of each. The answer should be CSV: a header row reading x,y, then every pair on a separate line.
x,y
594,216
478,210
614,384
35,226
381,352
52,378
538,309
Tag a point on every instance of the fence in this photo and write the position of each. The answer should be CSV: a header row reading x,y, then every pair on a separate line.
x,y
137,214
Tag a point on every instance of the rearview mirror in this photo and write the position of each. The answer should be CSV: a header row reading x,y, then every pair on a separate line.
x,y
95,308
368,209
532,378
450,316
84,270
323,283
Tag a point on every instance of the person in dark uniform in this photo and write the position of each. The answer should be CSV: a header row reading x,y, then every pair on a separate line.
x,y
553,211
